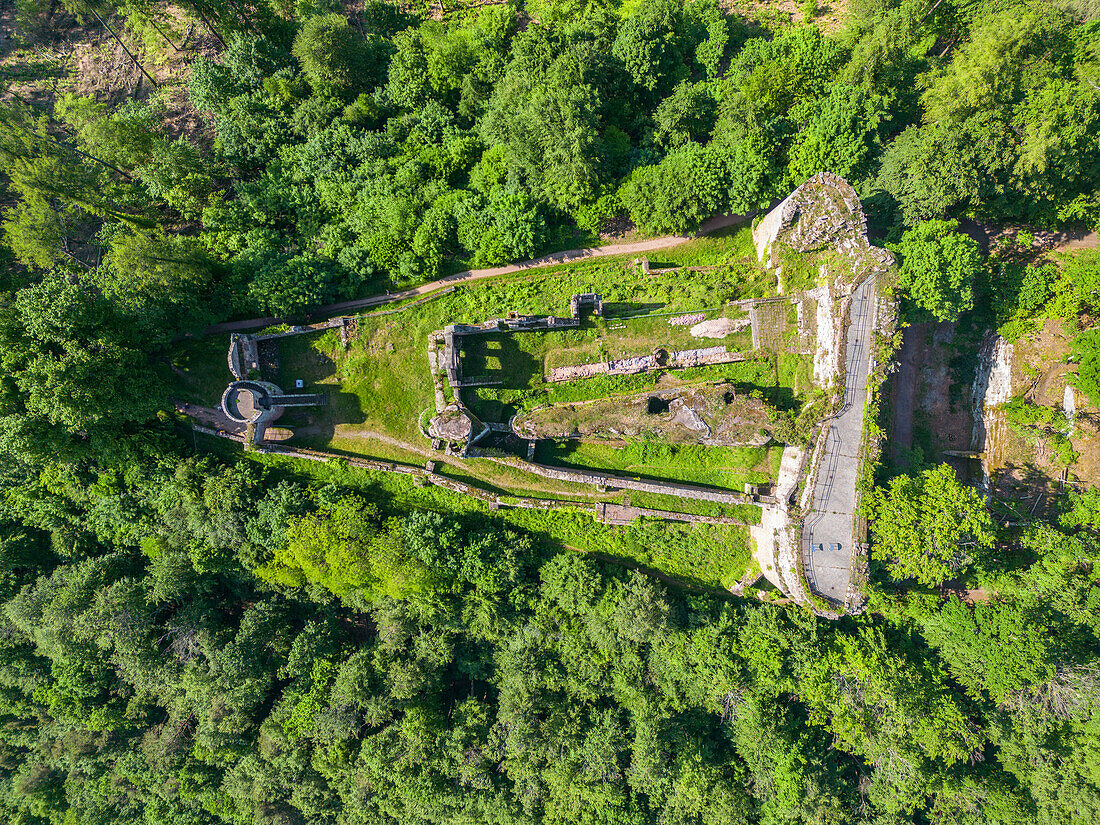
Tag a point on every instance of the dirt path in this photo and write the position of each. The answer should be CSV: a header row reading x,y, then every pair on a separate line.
x,y
1070,239
210,417
651,245
1045,240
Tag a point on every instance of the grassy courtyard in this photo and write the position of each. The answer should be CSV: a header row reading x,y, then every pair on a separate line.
x,y
381,394
725,467
381,391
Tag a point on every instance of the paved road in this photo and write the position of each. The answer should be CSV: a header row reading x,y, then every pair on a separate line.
x,y
651,245
830,520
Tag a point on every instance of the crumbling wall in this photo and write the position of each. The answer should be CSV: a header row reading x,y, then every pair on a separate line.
x,y
428,475
822,213
243,356
678,359
766,232
609,481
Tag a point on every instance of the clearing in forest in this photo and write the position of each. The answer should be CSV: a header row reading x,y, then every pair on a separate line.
x,y
710,430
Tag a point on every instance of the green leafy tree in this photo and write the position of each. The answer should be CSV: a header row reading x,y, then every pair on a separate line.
x,y
549,114
345,549
837,134
648,44
1087,379
334,54
686,115
938,267
998,647
928,527
685,188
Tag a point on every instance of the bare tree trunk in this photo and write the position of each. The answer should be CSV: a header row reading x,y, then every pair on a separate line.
x,y
213,31
153,23
935,6
118,40
73,149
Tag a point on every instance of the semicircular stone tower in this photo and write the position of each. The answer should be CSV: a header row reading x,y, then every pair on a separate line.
x,y
259,403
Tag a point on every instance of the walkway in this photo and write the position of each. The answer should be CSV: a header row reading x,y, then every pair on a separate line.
x,y
828,532
651,245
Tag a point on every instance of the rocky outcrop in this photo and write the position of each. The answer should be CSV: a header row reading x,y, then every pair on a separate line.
x,y
822,213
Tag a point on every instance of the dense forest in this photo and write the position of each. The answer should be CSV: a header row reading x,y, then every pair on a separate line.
x,y
192,637
346,156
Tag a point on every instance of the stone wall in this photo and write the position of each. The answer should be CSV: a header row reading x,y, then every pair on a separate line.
x,y
429,476
243,356
824,212
608,481
679,359
765,232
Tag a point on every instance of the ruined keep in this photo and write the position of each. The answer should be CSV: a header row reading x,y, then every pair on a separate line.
x,y
257,404
453,334
822,213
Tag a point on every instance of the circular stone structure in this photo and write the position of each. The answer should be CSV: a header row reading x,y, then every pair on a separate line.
x,y
249,402
451,424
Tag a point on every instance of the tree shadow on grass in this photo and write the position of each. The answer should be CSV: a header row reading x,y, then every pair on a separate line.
x,y
618,309
309,367
499,358
316,426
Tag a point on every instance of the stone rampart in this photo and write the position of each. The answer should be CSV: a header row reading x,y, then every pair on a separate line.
x,y
824,212
243,356
679,359
606,480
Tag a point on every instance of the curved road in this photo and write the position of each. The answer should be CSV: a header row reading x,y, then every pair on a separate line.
x,y
828,531
651,245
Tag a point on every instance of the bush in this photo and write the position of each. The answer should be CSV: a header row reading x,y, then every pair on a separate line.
x,y
684,189
1087,380
593,217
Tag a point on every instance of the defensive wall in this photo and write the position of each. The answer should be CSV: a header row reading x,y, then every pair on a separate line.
x,y
606,512
825,214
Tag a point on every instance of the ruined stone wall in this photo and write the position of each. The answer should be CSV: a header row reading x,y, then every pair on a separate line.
x,y
243,356
429,476
822,213
664,488
678,359
765,233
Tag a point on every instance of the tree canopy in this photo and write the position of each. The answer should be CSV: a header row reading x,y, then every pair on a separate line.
x,y
193,634
938,268
928,527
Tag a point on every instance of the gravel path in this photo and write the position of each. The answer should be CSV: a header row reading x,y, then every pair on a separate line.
x,y
651,245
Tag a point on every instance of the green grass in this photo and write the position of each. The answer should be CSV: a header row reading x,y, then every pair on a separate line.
x,y
530,355
779,387
726,467
382,382
703,555
380,388
201,370
719,247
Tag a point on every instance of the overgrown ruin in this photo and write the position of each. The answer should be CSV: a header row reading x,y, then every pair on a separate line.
x,y
815,548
